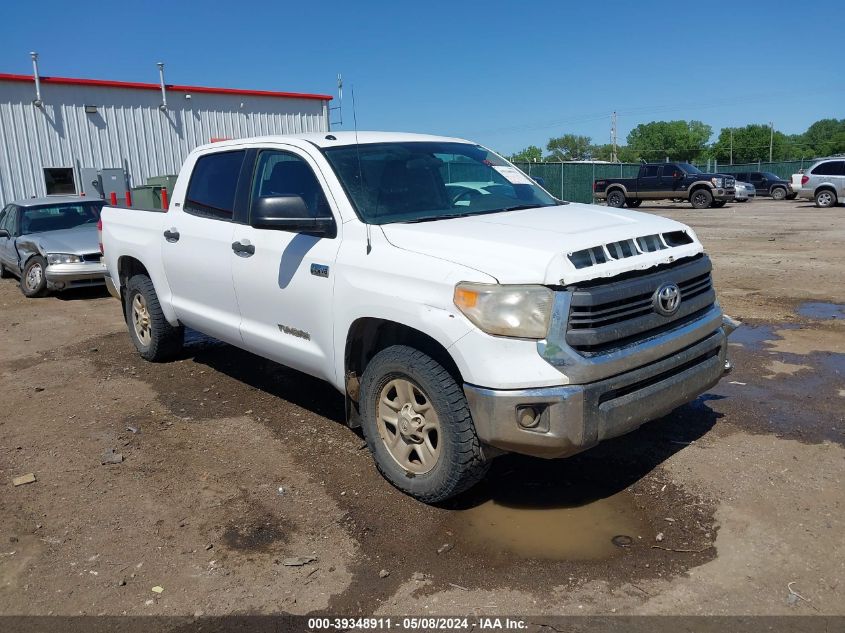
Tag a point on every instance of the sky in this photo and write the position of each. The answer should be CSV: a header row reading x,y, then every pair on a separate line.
x,y
504,74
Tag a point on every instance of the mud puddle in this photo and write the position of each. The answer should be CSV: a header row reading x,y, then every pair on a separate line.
x,y
587,532
822,310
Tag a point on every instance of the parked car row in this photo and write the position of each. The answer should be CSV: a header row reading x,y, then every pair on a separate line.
x,y
824,182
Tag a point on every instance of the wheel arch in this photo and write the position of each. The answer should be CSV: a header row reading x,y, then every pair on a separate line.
x,y
129,266
367,336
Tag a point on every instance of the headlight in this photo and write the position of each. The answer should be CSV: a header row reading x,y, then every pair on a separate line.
x,y
63,258
717,182
519,311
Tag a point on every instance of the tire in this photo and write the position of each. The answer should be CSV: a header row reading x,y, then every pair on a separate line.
x,y
616,199
825,199
34,278
701,198
451,446
633,202
154,338
778,193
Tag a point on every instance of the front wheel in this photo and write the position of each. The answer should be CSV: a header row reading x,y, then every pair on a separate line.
x,y
34,278
701,198
825,199
616,199
154,338
778,193
418,426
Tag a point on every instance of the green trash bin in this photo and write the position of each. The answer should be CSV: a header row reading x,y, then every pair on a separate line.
x,y
163,181
146,197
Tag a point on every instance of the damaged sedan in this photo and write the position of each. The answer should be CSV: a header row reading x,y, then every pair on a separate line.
x,y
51,243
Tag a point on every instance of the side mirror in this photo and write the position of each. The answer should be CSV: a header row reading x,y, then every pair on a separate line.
x,y
540,181
289,213
4,233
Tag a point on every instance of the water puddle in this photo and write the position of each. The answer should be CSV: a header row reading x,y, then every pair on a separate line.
x,y
752,336
822,310
584,532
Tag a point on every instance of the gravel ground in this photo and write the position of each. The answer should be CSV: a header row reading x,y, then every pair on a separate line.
x,y
241,491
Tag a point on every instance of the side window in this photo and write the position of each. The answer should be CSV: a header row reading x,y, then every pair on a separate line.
x,y
830,168
214,181
668,169
650,171
282,174
7,219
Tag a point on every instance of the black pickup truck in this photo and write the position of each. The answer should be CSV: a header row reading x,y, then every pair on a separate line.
x,y
667,181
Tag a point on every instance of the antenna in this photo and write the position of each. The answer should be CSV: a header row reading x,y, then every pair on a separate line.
x,y
358,155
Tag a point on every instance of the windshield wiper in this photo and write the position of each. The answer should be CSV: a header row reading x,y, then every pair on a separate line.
x,y
432,218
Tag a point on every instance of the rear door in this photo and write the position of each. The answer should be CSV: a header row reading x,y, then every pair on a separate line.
x,y
8,253
196,245
648,184
285,281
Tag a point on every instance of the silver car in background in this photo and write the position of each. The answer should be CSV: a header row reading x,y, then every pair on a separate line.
x,y
824,182
745,191
51,243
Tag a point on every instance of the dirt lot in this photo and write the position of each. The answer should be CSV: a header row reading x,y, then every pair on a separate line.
x,y
232,466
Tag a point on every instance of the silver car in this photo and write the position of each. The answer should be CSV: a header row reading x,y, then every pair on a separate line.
x,y
824,182
51,243
745,191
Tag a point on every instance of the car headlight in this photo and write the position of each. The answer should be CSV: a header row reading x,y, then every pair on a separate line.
x,y
63,258
717,182
518,311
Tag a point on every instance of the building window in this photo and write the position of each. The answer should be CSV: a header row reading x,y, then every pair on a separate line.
x,y
59,180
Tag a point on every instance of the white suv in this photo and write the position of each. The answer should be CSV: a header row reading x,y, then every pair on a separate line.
x,y
824,182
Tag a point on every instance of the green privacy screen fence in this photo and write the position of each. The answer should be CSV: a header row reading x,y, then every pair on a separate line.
x,y
574,181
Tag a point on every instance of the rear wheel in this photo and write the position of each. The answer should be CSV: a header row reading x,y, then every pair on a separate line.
x,y
701,198
633,202
825,198
154,338
418,426
778,193
34,278
616,199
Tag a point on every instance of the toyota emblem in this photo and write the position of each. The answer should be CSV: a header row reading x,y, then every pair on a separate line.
x,y
667,299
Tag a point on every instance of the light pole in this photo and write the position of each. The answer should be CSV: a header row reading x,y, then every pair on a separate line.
x,y
771,139
732,146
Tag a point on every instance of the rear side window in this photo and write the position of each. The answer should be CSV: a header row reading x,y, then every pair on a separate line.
x,y
830,168
214,182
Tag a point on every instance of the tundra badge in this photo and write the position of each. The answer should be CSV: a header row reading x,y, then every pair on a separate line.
x,y
319,270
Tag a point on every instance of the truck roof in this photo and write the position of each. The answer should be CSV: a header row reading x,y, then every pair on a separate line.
x,y
337,139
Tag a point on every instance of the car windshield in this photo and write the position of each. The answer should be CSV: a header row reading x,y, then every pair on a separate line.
x,y
59,216
422,181
690,169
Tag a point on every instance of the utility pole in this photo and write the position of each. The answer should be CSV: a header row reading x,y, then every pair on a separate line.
x,y
732,146
771,139
613,158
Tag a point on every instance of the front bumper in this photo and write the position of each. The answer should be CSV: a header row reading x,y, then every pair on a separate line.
x,y
60,276
723,194
573,418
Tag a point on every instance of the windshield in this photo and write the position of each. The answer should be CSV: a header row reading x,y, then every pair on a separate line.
x,y
690,169
421,181
59,216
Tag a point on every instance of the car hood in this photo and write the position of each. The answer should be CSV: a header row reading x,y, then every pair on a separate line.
x,y
533,245
76,241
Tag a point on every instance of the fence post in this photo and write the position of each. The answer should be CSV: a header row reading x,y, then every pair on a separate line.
x,y
561,181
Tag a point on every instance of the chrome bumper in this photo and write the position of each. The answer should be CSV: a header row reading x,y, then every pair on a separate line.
x,y
62,275
569,419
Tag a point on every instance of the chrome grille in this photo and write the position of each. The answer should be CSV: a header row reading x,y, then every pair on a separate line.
x,y
616,313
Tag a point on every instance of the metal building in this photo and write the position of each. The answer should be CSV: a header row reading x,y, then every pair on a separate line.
x,y
58,134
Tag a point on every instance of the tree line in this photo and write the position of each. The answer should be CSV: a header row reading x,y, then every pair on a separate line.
x,y
690,141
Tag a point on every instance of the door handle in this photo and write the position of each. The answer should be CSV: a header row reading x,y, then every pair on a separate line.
x,y
171,235
243,250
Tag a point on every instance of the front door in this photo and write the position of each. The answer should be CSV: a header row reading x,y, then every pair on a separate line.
x,y
196,246
8,253
285,281
669,183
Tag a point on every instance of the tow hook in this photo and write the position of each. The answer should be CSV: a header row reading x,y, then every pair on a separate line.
x,y
728,367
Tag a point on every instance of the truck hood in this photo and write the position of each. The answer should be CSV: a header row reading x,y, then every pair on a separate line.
x,y
534,245
79,240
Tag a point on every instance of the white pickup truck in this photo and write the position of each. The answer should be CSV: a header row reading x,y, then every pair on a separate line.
x,y
460,309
